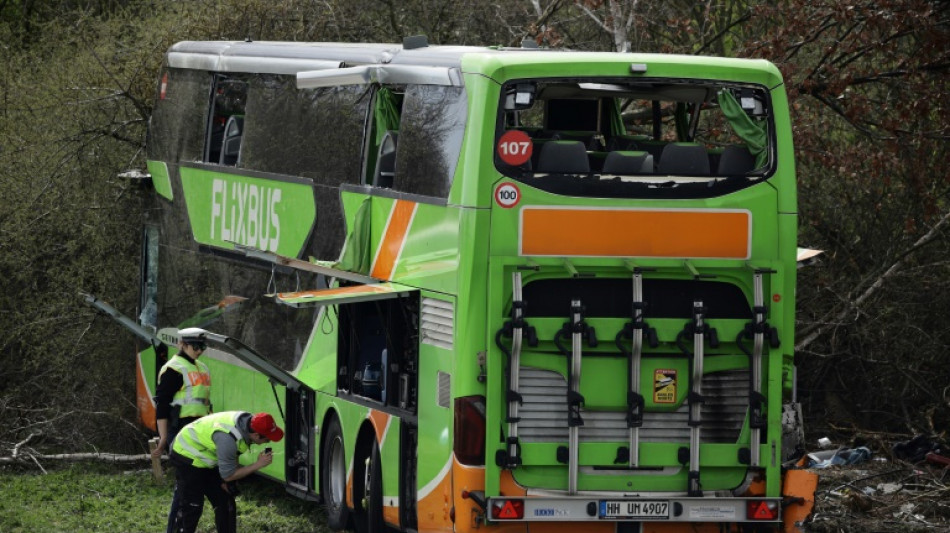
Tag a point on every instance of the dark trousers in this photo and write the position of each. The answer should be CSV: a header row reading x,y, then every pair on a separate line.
x,y
174,427
193,485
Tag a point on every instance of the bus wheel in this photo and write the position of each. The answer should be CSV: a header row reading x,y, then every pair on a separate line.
x,y
368,490
333,482
374,507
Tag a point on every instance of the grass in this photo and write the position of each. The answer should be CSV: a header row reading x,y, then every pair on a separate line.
x,y
107,498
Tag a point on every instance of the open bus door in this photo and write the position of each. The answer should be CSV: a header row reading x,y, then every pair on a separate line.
x,y
143,392
299,399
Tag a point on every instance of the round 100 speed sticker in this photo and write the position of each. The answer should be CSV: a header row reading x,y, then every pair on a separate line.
x,y
507,194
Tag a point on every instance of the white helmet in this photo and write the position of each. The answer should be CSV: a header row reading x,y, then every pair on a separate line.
x,y
190,335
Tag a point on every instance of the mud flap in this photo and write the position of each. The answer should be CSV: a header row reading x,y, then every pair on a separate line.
x,y
798,491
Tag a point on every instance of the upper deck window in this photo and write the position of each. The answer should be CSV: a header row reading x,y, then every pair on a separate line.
x,y
629,139
177,127
415,138
431,126
317,133
226,127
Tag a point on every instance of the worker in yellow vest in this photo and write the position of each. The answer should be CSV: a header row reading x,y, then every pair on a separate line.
x,y
184,387
183,395
205,454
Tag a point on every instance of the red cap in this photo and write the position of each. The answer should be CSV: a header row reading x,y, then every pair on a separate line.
x,y
263,424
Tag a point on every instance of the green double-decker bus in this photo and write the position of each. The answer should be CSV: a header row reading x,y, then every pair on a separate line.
x,y
487,288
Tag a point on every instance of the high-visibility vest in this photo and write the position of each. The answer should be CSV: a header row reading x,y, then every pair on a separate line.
x,y
194,396
194,440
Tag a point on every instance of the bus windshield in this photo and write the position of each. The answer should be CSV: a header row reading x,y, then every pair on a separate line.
x,y
630,139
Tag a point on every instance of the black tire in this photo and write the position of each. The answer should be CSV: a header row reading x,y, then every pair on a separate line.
x,y
374,509
333,478
368,490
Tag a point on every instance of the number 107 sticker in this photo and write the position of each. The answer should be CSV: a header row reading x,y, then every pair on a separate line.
x,y
515,148
507,194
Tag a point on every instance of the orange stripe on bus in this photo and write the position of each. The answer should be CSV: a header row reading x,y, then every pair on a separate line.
x,y
391,515
635,233
379,420
393,238
679,527
349,488
432,509
355,289
146,406
509,487
604,526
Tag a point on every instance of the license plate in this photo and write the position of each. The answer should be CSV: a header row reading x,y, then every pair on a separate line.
x,y
634,509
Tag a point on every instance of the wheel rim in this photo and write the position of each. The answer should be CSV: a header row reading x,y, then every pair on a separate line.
x,y
367,479
337,472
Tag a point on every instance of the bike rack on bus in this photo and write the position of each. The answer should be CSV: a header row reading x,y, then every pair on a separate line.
x,y
760,331
579,331
700,332
635,330
519,331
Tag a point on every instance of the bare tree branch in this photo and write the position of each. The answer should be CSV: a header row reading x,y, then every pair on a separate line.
x,y
16,448
856,304
718,36
539,22
88,456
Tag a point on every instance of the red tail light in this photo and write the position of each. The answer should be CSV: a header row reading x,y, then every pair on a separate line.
x,y
762,510
507,509
470,430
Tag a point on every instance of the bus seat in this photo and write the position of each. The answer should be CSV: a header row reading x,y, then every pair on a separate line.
x,y
231,144
628,162
536,146
626,142
595,159
684,158
654,147
563,157
735,159
386,160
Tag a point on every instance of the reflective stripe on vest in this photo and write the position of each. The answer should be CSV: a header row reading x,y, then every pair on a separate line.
x,y
196,443
194,396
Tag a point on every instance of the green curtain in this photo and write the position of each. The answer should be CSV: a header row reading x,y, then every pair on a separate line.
x,y
355,257
616,118
750,131
386,113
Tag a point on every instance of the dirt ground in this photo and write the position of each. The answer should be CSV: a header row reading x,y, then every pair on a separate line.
x,y
882,495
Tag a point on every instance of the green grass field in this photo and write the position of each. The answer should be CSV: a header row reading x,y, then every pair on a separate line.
x,y
125,499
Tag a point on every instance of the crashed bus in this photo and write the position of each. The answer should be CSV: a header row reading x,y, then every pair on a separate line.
x,y
487,288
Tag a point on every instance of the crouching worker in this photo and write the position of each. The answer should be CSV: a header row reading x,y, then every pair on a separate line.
x,y
205,454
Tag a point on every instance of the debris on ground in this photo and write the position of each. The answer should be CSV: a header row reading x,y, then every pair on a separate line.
x,y
841,456
904,489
